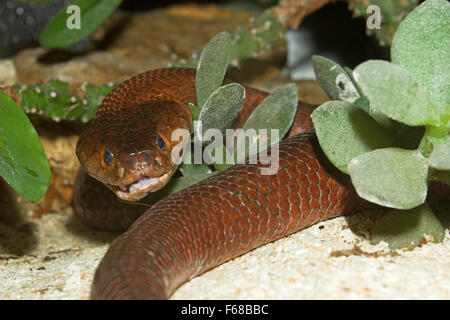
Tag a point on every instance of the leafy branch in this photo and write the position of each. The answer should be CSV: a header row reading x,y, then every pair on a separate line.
x,y
218,107
389,123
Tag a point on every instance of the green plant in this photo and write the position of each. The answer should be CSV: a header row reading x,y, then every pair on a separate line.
x,y
246,41
259,34
388,125
56,34
55,100
23,163
218,107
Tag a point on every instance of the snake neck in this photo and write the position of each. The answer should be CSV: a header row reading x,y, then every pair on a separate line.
x,y
170,84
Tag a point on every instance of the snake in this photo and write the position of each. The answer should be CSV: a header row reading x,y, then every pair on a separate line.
x,y
127,148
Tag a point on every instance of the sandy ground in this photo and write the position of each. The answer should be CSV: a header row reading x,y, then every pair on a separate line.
x,y
55,257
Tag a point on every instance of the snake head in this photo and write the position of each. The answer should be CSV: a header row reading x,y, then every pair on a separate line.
x,y
129,150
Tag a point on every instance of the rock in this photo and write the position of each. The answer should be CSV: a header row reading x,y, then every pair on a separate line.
x,y
8,75
129,43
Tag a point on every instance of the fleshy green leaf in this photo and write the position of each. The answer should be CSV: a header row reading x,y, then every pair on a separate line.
x,y
23,163
221,108
339,84
406,228
195,111
440,156
191,166
212,66
391,177
174,185
94,97
57,34
345,131
421,46
334,80
276,111
263,30
394,92
225,163
192,169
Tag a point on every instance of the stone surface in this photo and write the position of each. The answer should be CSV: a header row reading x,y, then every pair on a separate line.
x,y
8,74
55,257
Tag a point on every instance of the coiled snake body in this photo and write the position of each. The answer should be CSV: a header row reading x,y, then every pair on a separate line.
x,y
127,148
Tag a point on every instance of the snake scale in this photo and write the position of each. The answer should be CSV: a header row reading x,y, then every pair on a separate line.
x,y
126,147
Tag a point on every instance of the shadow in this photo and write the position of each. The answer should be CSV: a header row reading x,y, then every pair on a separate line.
x,y
76,227
59,56
50,128
442,212
9,208
17,236
405,136
17,241
257,70
97,210
333,31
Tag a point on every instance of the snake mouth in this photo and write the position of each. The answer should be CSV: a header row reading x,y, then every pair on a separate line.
x,y
141,188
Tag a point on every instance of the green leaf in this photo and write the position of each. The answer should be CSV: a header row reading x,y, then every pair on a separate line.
x,y
440,156
334,80
188,167
225,163
174,185
56,33
195,111
391,177
276,111
52,99
192,169
261,33
406,228
421,46
394,92
212,66
345,131
23,163
94,97
55,101
221,108
339,84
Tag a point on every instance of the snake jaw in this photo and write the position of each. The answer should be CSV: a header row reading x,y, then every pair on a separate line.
x,y
141,188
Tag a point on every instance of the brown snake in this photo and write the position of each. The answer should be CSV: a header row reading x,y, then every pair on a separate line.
x,y
127,148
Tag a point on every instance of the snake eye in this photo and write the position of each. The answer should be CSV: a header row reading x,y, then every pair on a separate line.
x,y
108,157
160,142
